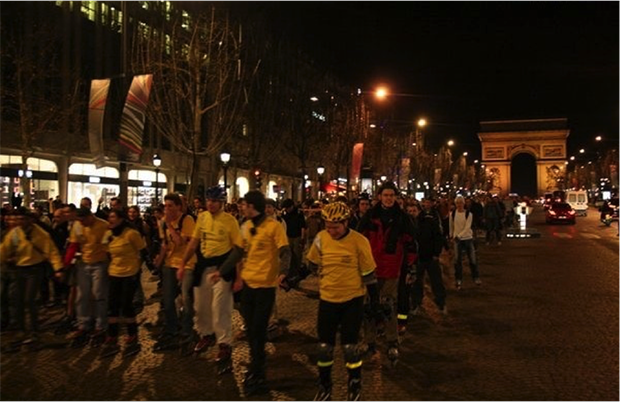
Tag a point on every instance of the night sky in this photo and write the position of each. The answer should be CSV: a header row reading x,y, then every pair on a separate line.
x,y
467,61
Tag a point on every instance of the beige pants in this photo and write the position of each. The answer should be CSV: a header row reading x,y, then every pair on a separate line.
x,y
388,292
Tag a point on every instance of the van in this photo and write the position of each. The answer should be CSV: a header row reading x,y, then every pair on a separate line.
x,y
578,200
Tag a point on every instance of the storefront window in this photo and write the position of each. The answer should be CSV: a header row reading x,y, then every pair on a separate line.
x,y
43,183
98,184
142,188
243,186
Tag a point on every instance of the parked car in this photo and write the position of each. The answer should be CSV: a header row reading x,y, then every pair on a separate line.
x,y
560,212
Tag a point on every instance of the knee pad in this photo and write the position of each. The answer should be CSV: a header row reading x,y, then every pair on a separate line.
x,y
326,355
352,356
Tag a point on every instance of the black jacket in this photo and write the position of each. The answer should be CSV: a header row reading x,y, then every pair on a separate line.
x,y
430,237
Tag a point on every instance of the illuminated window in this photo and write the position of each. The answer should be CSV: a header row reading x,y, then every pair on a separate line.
x,y
88,9
105,11
185,20
168,44
88,169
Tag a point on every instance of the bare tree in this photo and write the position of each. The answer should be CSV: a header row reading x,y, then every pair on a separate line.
x,y
35,103
199,84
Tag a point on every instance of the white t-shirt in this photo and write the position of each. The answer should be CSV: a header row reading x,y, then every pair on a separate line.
x,y
460,226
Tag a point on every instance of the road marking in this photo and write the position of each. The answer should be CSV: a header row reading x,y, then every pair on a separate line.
x,y
590,236
563,235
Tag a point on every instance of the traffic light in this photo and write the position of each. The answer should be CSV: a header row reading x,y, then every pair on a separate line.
x,y
258,183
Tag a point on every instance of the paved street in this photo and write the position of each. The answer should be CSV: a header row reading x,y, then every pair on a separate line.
x,y
543,326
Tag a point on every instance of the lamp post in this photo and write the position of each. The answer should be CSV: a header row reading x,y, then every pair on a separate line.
x,y
320,170
225,158
157,164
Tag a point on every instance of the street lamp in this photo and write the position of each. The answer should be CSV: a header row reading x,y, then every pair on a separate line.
x,y
157,164
383,178
320,170
450,143
225,158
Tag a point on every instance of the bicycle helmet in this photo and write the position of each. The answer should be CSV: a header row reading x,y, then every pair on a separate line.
x,y
336,212
215,193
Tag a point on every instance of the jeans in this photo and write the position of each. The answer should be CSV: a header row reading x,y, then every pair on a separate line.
x,y
460,247
170,293
92,281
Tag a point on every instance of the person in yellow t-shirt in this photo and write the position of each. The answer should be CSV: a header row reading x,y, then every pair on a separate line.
x,y
217,235
175,234
86,237
346,269
127,250
266,260
27,246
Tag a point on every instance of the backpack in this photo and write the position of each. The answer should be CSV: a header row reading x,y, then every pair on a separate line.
x,y
180,227
466,214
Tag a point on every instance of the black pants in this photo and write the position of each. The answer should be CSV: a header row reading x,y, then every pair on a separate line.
x,y
430,265
347,316
122,291
27,286
256,306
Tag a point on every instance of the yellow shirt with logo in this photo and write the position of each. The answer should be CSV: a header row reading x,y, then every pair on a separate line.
x,y
342,263
175,252
217,233
90,239
24,251
124,252
261,265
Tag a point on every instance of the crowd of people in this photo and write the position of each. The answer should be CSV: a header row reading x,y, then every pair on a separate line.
x,y
370,255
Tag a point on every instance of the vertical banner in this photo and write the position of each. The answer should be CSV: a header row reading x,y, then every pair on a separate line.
x,y
403,178
96,111
436,178
356,162
133,117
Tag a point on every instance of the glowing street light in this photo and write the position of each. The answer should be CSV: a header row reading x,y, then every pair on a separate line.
x,y
381,93
465,153
450,143
421,123
572,158
598,138
582,150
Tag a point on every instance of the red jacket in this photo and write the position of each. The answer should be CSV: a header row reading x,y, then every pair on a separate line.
x,y
389,257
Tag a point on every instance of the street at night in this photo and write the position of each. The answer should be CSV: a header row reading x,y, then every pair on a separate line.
x,y
542,326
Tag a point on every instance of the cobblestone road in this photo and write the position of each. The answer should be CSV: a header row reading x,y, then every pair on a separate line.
x,y
543,326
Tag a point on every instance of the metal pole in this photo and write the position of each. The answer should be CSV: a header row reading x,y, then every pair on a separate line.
x,y
226,178
156,187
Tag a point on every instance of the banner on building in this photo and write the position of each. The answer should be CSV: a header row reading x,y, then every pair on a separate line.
x,y
133,118
436,177
96,112
356,161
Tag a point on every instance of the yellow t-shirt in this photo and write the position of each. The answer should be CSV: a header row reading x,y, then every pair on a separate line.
x,y
29,250
124,251
175,252
90,240
261,263
217,234
342,263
